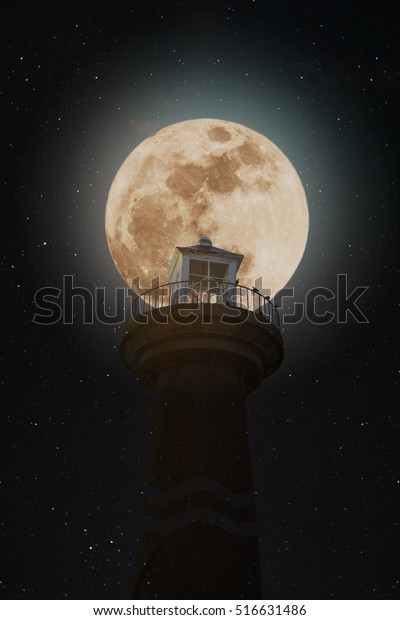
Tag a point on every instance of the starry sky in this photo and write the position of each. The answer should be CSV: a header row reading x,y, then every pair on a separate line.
x,y
82,85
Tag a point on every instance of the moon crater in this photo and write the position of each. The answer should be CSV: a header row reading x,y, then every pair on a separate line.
x,y
186,180
219,134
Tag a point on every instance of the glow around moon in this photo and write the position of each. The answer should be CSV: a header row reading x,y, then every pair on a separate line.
x,y
207,177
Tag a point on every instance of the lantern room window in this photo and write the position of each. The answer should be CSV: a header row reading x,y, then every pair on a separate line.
x,y
210,271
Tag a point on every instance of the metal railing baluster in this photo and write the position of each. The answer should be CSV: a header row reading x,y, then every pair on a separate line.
x,y
173,293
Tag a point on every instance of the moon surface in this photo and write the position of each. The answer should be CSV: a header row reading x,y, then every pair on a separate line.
x,y
207,177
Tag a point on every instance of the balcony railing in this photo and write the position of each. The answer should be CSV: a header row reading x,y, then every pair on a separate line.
x,y
206,292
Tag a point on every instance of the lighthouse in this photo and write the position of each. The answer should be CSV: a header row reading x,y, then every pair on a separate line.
x,y
201,342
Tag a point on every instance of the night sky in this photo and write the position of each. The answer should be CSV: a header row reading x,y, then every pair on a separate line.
x,y
82,84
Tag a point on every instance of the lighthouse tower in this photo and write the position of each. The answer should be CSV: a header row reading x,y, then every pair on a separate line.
x,y
201,342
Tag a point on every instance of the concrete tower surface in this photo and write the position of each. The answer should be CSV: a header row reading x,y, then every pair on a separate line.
x,y
201,343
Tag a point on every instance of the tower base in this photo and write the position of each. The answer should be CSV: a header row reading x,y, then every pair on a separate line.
x,y
201,522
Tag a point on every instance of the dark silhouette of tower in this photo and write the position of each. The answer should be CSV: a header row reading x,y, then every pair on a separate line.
x,y
201,343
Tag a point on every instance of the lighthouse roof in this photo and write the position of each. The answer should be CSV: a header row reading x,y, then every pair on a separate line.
x,y
204,246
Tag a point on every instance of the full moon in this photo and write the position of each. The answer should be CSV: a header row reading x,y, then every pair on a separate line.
x,y
207,177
